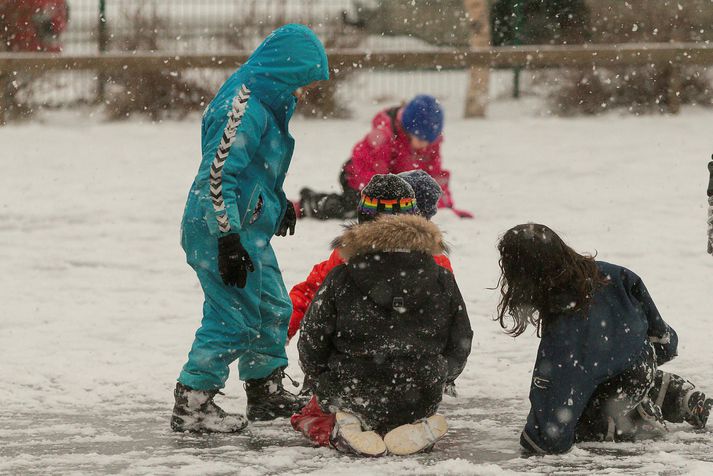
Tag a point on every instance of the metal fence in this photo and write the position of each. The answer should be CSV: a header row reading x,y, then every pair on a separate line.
x,y
199,26
218,27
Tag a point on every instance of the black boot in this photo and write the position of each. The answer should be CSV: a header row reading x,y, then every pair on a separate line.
x,y
698,408
268,399
195,411
327,206
681,401
308,203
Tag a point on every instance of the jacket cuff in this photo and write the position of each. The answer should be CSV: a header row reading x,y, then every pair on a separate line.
x,y
529,444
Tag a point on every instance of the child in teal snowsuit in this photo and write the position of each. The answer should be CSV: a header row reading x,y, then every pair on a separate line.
x,y
235,206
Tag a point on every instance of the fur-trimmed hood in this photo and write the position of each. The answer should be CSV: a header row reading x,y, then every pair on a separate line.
x,y
391,233
391,260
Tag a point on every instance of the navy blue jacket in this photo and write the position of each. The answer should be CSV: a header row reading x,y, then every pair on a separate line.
x,y
579,351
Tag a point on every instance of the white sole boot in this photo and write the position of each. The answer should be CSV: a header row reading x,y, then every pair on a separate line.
x,y
349,437
196,411
416,437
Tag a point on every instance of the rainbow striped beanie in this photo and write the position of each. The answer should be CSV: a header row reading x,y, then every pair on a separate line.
x,y
387,193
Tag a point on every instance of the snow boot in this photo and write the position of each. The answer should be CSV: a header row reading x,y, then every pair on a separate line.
x,y
698,407
680,401
268,399
308,203
348,436
416,437
326,206
648,421
195,411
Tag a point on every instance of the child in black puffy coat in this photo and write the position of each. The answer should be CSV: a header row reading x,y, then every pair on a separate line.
x,y
384,334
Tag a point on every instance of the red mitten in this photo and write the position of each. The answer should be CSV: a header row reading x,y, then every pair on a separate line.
x,y
313,423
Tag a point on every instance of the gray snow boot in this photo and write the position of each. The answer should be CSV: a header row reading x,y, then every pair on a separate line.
x,y
268,399
195,411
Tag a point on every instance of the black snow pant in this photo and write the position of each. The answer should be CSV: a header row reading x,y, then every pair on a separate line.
x,y
624,407
327,206
608,415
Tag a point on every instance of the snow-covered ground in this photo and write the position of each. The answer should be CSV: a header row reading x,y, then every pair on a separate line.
x,y
98,307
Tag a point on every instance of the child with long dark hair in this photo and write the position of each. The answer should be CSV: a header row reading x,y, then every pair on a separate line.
x,y
596,375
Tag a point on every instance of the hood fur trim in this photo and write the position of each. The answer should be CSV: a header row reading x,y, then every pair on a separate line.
x,y
391,233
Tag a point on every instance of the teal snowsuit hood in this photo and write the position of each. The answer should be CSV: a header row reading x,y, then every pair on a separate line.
x,y
289,58
246,149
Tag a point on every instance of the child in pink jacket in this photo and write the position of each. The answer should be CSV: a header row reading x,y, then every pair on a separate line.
x,y
402,138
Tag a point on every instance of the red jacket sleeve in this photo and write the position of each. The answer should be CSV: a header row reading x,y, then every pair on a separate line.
x,y
303,293
372,155
443,262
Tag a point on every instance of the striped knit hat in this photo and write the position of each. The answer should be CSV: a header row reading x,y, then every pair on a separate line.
x,y
428,192
386,193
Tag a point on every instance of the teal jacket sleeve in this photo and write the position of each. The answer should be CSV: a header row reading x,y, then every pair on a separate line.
x,y
232,152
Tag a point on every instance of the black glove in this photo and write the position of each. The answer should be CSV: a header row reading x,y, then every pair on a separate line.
x,y
288,221
450,389
234,263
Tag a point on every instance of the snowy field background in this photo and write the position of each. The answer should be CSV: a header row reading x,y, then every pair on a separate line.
x,y
99,308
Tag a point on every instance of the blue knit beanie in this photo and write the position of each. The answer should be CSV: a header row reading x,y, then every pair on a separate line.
x,y
427,191
423,118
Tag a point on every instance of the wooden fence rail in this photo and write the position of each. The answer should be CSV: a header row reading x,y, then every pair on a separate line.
x,y
532,57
